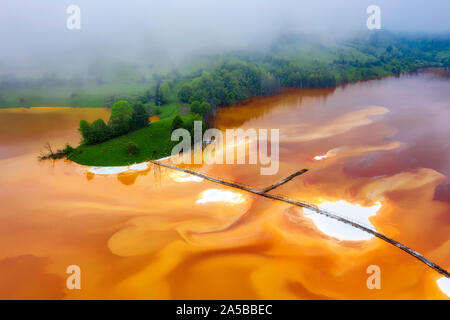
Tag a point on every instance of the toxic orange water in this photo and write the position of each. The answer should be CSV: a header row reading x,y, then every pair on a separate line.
x,y
147,236
154,118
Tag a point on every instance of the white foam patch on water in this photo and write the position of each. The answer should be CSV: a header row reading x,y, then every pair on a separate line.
x,y
108,170
184,177
121,169
139,166
444,285
217,195
116,170
339,230
318,158
165,158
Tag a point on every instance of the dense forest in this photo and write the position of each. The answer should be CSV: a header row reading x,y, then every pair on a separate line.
x,y
230,82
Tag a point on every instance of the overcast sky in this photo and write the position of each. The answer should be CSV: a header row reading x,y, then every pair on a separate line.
x,y
34,35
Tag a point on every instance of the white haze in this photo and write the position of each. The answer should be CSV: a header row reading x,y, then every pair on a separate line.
x,y
35,40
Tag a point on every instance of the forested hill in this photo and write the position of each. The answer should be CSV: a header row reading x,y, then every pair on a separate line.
x,y
301,63
222,79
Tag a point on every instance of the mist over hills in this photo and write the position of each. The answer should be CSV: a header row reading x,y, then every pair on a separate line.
x,y
160,35
126,48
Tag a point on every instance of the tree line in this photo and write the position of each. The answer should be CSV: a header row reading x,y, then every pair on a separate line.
x,y
123,119
228,83
237,80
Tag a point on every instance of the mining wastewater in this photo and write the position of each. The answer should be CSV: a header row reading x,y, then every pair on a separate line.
x,y
376,151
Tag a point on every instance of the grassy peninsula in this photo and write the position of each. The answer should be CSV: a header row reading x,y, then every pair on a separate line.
x,y
153,142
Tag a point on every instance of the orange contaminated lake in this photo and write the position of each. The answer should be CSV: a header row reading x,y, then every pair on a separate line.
x,y
159,234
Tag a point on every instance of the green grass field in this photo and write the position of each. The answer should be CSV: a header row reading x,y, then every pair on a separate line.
x,y
153,143
169,109
88,95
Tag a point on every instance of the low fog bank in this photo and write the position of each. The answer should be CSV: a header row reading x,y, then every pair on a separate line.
x,y
155,36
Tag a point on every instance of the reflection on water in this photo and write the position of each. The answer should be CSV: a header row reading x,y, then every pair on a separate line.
x,y
347,151
156,233
444,284
340,230
184,177
217,195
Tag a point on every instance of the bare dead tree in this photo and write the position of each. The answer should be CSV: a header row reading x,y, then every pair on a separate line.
x,y
49,154
48,147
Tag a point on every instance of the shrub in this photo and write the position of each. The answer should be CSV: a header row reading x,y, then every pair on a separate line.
x,y
120,119
140,116
68,149
185,93
94,132
202,108
156,110
100,131
195,107
160,97
177,123
205,108
132,148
